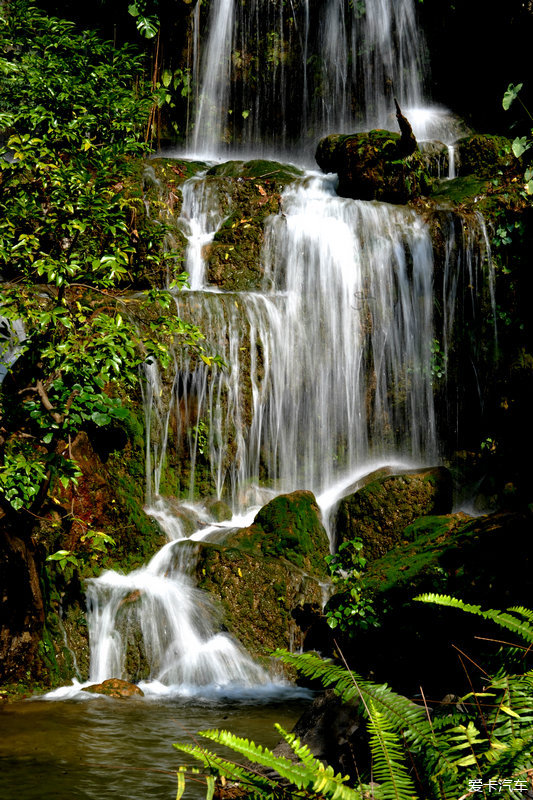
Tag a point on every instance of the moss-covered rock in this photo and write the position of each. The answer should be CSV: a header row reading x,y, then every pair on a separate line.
x,y
469,558
374,166
483,154
288,527
270,578
380,511
252,192
266,602
256,169
218,509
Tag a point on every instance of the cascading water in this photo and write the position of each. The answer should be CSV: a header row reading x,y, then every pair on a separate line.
x,y
329,366
273,76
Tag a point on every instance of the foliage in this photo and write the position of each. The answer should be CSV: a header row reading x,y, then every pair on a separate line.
x,y
521,143
146,17
97,543
484,742
74,109
350,608
307,775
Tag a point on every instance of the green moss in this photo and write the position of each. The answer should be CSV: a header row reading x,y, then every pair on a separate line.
x,y
459,190
427,527
289,527
256,169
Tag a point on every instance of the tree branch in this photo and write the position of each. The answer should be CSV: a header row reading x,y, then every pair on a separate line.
x,y
45,400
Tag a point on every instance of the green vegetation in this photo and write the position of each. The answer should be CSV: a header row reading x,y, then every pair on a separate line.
x,y
483,740
351,608
74,112
521,144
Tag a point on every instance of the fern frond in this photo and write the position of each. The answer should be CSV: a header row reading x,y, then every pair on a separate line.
x,y
388,757
319,779
502,618
523,612
403,715
215,764
301,751
513,756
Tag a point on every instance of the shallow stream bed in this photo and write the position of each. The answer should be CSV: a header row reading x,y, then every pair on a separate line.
x,y
119,749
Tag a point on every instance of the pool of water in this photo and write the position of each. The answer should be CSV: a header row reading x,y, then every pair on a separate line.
x,y
121,749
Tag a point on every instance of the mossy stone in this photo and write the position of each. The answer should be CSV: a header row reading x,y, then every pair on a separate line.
x,y
380,511
484,154
374,166
288,527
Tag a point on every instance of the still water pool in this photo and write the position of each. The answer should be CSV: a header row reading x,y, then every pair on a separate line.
x,y
120,749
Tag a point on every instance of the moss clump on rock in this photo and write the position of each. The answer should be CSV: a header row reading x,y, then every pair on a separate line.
x,y
457,191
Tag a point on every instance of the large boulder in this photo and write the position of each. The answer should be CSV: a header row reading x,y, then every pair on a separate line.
x,y
374,166
271,577
380,511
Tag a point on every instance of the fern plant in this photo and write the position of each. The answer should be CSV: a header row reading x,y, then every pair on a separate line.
x,y
485,744
307,776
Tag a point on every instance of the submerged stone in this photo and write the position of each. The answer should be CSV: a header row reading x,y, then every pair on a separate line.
x,y
114,687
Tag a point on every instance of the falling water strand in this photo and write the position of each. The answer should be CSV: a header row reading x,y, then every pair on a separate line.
x,y
156,624
200,218
215,78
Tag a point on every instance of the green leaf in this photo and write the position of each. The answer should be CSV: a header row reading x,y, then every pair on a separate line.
x,y
100,419
509,711
510,95
166,78
181,783
147,26
520,145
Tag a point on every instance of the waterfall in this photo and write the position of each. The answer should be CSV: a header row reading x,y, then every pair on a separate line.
x,y
466,296
328,367
277,76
